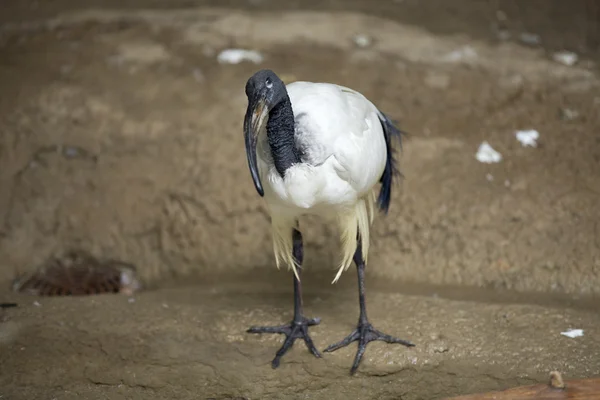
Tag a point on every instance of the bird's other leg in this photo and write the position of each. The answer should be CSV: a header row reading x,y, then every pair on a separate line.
x,y
364,332
298,328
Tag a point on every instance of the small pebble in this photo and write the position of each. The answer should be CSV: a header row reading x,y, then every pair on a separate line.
x,y
36,303
131,300
556,380
489,177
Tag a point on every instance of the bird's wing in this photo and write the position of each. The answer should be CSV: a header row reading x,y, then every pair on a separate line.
x,y
336,122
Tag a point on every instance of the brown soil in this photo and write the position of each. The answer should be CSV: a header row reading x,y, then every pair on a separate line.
x,y
121,135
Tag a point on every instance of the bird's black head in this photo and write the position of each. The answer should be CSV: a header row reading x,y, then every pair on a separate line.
x,y
266,86
264,90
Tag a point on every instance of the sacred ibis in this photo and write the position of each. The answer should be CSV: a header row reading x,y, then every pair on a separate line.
x,y
319,149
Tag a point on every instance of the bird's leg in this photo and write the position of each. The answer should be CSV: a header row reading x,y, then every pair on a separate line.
x,y
298,328
364,332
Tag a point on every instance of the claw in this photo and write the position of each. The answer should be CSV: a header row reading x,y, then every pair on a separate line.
x,y
364,334
292,331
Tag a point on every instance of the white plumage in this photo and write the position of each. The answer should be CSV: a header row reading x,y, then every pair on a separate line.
x,y
345,149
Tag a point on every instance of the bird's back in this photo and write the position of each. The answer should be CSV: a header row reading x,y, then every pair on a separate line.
x,y
335,121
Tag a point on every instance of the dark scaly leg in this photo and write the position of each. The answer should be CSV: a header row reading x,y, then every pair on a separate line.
x,y
298,328
364,333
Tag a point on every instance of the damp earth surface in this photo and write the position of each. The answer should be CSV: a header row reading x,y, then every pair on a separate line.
x,y
121,135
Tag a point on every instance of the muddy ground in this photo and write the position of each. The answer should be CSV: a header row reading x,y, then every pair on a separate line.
x,y
121,134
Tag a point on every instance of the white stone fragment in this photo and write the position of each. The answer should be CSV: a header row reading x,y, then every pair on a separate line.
x,y
573,333
565,57
528,138
236,56
486,154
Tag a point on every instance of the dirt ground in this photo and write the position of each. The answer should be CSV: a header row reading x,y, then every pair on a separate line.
x,y
121,134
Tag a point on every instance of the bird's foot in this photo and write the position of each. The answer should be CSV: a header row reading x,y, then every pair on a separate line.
x,y
364,334
292,331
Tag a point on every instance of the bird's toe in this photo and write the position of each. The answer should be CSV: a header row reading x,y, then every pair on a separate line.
x,y
355,335
364,334
292,331
283,329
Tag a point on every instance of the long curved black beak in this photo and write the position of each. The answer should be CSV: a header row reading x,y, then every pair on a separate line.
x,y
256,115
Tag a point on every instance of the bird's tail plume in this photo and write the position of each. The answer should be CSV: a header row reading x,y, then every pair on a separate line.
x,y
353,222
391,170
283,243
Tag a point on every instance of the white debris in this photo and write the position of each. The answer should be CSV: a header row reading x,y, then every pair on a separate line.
x,y
573,333
131,300
36,303
489,177
528,138
565,57
486,154
362,40
236,56
464,54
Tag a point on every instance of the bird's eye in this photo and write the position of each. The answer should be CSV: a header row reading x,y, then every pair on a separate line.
x,y
269,83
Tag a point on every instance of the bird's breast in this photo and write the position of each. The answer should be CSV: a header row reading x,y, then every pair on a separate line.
x,y
306,189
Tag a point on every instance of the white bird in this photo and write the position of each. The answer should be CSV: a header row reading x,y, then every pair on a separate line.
x,y
319,149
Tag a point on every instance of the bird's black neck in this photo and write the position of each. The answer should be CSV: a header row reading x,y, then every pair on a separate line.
x,y
280,135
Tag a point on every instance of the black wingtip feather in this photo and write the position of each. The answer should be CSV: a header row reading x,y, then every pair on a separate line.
x,y
391,170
